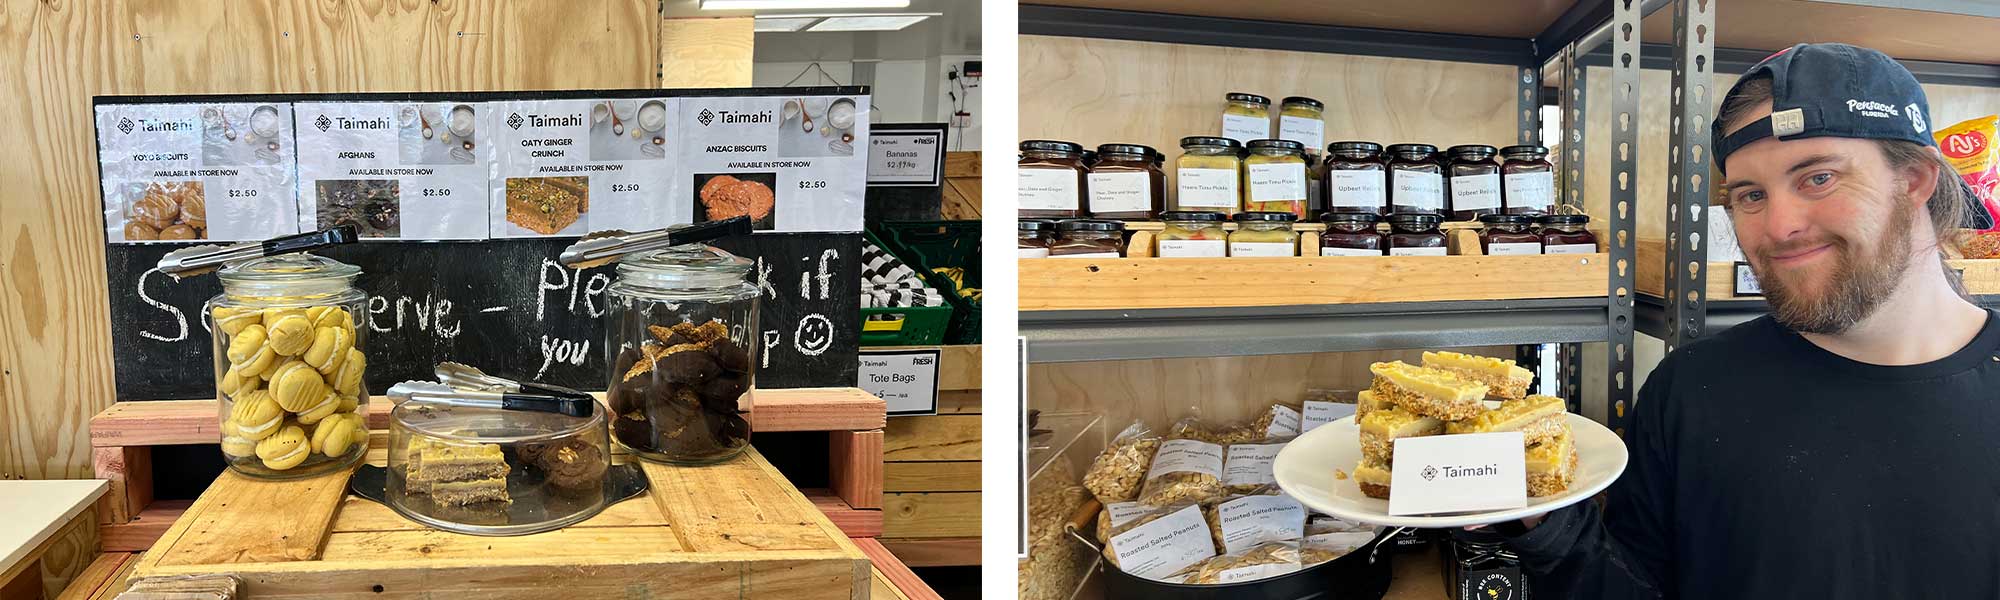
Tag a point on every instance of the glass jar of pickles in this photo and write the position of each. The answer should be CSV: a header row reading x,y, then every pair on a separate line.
x,y
289,366
1506,235
1191,234
1207,175
1264,234
1125,183
1050,178
1246,117
1274,177
1356,178
1302,120
679,339
1416,180
1351,234
1033,237
1415,234
1566,234
1529,180
1475,182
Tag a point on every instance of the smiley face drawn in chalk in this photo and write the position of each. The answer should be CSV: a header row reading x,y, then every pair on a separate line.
x,y
814,336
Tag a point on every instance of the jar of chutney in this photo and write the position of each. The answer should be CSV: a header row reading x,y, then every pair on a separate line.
x,y
1126,183
1050,179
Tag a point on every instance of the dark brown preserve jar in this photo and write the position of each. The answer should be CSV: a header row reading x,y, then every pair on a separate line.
x,y
1356,178
1416,182
1126,182
1529,180
1415,234
1507,235
1475,182
1351,234
1565,234
1051,179
1088,238
1032,238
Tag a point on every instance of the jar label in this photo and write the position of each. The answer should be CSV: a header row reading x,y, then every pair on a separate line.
x,y
1245,128
1419,189
1332,251
1121,192
1413,251
1570,249
1031,252
1357,188
1514,248
1086,255
1262,249
1275,182
1475,192
1193,249
1187,456
1531,190
1253,520
1250,464
1047,189
1303,130
1208,188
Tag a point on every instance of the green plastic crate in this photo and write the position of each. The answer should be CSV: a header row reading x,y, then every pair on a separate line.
x,y
928,245
910,325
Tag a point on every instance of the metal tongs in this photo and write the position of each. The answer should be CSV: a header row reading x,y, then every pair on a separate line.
x,y
604,247
197,260
464,385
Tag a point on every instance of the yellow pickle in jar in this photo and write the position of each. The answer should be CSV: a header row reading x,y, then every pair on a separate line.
x,y
1264,234
289,366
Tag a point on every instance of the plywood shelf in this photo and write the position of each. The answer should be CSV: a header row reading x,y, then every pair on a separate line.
x,y
1981,276
1112,284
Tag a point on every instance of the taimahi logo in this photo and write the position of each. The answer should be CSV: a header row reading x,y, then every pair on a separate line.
x,y
515,120
705,117
323,123
125,125
1430,473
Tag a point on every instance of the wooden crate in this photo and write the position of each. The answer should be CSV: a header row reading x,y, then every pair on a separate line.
x,y
1981,276
122,437
930,500
1138,283
735,529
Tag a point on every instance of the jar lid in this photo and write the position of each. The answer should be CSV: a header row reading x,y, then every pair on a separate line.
x,y
462,424
1247,97
1266,217
1369,147
287,267
1412,149
1051,146
1524,151
1202,140
1350,217
1036,225
1089,225
1506,219
1282,145
1571,219
1194,215
1141,150
691,265
1304,100
1089,157
1418,219
1472,151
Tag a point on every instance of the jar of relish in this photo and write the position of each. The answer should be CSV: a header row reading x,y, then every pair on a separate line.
x,y
1528,180
1416,181
1416,234
1475,182
1356,178
1565,234
1351,234
1506,235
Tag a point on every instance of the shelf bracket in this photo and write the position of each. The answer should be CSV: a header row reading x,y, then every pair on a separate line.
x,y
1689,179
1623,202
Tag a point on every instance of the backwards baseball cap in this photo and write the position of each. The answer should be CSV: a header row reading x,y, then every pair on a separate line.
x,y
1838,90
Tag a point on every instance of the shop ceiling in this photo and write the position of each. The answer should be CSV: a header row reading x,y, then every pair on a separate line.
x,y
954,31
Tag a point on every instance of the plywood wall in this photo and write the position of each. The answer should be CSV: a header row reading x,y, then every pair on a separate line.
x,y
55,353
1094,91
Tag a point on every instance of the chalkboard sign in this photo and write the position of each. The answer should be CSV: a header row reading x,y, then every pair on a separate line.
x,y
505,306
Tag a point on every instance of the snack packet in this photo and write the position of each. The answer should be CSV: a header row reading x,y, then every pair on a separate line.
x,y
1279,421
1184,470
1160,543
1969,147
1243,521
1247,467
1323,547
1117,472
1263,561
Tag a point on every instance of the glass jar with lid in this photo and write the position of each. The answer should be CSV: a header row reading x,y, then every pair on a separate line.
x,y
289,366
1190,234
1529,180
1302,120
1126,183
1475,182
1504,235
1274,177
1208,175
1246,117
1033,237
1416,183
1479,566
1051,179
1567,234
679,339
1415,234
1088,238
1264,234
1352,234
494,471
1356,178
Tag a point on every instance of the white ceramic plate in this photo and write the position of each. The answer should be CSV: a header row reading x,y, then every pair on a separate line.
x,y
1305,469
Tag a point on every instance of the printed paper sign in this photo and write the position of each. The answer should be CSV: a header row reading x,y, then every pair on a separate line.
x,y
906,155
906,380
1746,281
1458,473
1164,546
788,163
570,167
1321,412
395,170
198,171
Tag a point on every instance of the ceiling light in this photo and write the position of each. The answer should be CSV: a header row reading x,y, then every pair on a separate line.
x,y
784,24
867,23
799,4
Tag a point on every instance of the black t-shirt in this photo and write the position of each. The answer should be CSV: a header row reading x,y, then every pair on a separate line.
x,y
1763,466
